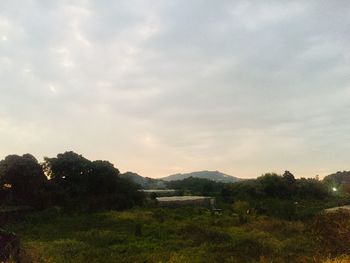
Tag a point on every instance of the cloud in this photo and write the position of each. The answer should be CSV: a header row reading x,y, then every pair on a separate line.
x,y
244,87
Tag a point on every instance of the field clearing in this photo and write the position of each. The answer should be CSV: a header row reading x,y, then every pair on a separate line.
x,y
161,235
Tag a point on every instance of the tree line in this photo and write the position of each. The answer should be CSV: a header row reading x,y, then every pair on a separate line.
x,y
270,185
71,181
68,180
282,196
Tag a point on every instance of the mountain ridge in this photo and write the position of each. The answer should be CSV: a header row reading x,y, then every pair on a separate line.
x,y
144,182
210,175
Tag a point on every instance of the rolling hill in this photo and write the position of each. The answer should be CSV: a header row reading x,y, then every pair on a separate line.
x,y
144,182
210,175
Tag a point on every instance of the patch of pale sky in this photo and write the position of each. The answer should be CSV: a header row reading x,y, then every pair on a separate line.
x,y
52,88
255,15
178,87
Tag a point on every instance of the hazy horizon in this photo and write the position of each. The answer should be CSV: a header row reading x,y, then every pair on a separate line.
x,y
243,87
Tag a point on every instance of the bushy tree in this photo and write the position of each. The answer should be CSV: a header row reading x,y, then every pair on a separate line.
x,y
311,188
22,177
276,195
339,181
273,185
67,167
244,190
79,182
289,178
102,178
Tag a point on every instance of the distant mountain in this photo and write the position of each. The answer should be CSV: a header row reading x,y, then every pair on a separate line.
x,y
144,182
210,175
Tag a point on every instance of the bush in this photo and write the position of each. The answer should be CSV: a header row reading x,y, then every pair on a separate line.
x,y
331,232
242,209
203,235
283,209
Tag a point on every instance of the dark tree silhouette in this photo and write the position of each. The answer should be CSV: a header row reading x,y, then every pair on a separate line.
x,y
80,182
68,166
288,177
22,177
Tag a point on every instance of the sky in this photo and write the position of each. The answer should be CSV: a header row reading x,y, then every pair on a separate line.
x,y
162,87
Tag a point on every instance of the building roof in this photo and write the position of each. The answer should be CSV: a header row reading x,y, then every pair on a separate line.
x,y
157,190
181,198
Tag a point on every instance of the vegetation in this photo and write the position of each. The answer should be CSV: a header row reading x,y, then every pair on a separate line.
x,y
72,182
339,181
178,235
144,182
282,196
71,209
21,179
197,186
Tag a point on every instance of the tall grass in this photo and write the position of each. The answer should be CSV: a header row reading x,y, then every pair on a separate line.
x,y
164,235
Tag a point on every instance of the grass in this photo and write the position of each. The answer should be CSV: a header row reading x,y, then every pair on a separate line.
x,y
162,235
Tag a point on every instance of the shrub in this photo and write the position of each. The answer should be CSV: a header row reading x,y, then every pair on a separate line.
x,y
242,209
203,235
283,209
331,232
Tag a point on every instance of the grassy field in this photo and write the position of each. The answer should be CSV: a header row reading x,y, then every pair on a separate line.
x,y
163,235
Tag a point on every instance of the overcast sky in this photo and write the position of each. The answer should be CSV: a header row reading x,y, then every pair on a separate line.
x,y
160,87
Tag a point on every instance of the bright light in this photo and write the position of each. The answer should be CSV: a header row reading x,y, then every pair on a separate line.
x,y
334,189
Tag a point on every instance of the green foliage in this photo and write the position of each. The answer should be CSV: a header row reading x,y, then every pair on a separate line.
x,y
245,190
283,209
339,181
273,185
199,234
75,183
67,167
280,196
153,196
242,209
21,180
338,178
78,183
66,233
183,235
197,186
288,177
311,188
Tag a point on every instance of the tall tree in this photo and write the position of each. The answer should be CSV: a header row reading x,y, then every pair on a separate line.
x,y
22,176
68,166
288,177
89,184
103,178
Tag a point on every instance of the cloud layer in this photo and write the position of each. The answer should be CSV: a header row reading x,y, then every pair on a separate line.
x,y
160,87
